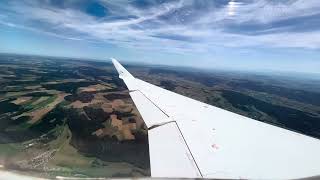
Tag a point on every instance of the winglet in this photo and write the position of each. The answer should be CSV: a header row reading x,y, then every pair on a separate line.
x,y
123,73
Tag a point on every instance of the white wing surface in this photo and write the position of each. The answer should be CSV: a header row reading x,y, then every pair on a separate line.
x,y
191,139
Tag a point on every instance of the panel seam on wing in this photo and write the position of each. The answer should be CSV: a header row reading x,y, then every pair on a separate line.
x,y
184,141
160,124
154,103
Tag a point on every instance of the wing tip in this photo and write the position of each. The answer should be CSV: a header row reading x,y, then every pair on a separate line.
x,y
114,61
121,70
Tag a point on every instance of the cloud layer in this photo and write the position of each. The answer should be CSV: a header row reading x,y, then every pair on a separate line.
x,y
177,26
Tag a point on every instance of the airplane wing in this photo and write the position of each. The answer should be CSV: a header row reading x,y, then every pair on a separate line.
x,y
191,139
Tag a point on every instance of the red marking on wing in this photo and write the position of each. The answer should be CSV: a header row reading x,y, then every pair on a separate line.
x,y
214,146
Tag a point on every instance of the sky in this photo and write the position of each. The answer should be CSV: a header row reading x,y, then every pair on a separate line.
x,y
255,35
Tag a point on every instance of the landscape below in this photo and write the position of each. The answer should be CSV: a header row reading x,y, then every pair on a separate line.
x,y
68,118
75,118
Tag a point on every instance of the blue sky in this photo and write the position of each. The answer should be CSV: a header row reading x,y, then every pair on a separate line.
x,y
279,35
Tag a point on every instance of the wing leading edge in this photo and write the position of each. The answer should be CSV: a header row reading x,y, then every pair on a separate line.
x,y
188,138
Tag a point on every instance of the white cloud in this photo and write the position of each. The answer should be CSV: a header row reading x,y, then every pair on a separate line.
x,y
143,31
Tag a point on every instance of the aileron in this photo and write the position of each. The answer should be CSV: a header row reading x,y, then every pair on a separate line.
x,y
166,142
